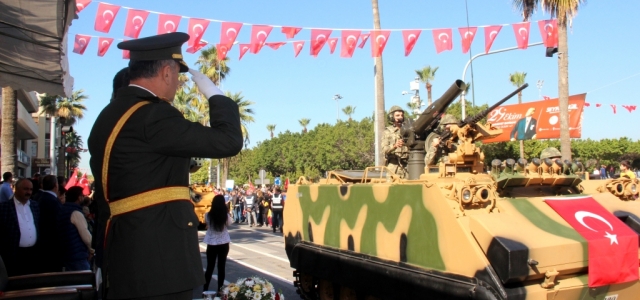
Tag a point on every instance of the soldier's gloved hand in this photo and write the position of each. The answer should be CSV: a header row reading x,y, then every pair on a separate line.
x,y
205,85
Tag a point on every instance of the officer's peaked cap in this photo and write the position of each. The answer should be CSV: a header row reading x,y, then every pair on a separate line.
x,y
157,47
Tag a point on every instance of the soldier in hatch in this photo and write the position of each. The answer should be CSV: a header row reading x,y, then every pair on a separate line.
x,y
435,154
395,151
551,153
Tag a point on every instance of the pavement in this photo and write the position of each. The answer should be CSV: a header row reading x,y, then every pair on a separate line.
x,y
254,251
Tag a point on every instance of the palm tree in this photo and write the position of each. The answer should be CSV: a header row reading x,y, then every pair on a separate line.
x,y
426,75
271,128
9,124
74,146
216,70
304,122
246,117
68,110
379,111
564,10
349,110
518,79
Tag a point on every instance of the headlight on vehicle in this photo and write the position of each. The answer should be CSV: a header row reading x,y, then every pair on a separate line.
x,y
466,195
631,188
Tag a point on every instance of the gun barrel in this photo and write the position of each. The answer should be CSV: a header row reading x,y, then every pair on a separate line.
x,y
438,107
484,113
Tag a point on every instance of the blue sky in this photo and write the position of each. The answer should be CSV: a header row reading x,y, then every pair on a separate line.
x,y
603,62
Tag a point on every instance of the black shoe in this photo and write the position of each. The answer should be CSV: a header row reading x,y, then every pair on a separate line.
x,y
274,230
281,231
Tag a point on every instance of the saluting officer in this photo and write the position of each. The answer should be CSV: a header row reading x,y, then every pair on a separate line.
x,y
140,149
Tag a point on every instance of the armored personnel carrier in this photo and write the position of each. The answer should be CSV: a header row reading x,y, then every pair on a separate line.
x,y
454,230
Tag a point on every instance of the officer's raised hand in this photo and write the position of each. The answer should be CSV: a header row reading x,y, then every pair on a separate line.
x,y
205,85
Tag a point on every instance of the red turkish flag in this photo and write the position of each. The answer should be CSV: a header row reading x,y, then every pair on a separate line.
x,y
319,37
549,32
126,54
168,23
84,183
228,32
332,44
521,30
103,45
135,21
259,34
490,33
297,46
243,49
286,184
81,4
222,50
197,47
410,37
467,34
442,39
349,40
290,32
104,17
364,38
586,104
275,45
612,245
378,41
628,107
73,180
614,108
81,43
598,104
196,30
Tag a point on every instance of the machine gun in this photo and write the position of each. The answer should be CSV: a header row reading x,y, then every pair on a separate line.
x,y
446,137
414,133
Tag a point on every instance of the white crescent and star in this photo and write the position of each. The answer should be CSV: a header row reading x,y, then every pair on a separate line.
x,y
411,37
196,26
468,33
324,38
105,41
80,6
445,35
581,215
82,41
108,11
173,26
548,31
349,38
245,48
134,21
492,34
299,46
384,39
524,35
261,32
332,42
235,32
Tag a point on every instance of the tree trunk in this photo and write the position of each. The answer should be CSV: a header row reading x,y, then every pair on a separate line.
x,y
379,79
61,146
563,86
521,141
429,93
8,135
225,170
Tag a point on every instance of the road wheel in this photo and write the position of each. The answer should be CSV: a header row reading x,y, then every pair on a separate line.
x,y
306,283
347,293
325,290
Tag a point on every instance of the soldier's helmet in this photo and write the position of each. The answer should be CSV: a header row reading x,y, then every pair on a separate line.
x,y
448,119
395,108
550,152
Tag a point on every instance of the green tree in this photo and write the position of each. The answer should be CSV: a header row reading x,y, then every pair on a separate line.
x,y
427,75
564,10
304,122
216,70
74,147
518,79
271,128
349,111
246,117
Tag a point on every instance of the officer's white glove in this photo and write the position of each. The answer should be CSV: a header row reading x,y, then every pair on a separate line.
x,y
205,85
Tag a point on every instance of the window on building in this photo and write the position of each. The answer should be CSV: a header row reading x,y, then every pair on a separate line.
x,y
34,149
46,149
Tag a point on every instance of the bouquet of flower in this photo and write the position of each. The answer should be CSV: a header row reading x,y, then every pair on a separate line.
x,y
250,288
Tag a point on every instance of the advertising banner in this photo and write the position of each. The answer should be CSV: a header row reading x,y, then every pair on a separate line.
x,y
535,120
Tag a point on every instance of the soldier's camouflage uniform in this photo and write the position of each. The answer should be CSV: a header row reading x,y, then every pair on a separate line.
x,y
396,158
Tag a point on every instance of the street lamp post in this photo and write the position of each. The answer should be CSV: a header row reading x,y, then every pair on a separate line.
x,y
414,86
539,85
337,97
464,72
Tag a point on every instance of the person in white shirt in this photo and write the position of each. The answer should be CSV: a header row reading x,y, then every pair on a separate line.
x,y
217,240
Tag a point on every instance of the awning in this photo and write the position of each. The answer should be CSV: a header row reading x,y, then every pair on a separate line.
x,y
33,45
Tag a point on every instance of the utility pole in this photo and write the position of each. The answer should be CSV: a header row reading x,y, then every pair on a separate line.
x,y
379,91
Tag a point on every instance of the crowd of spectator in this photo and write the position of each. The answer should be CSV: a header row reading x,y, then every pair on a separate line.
x,y
255,206
43,226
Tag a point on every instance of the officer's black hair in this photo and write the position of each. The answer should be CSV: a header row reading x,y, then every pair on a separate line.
x,y
49,182
147,68
218,214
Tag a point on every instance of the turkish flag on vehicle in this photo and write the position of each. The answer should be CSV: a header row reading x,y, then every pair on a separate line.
x,y
290,32
521,30
490,33
442,39
228,32
612,245
275,45
378,41
549,32
168,23
196,30
467,34
297,46
221,51
319,37
243,49
364,38
410,37
197,47
332,44
135,21
103,45
259,34
104,17
81,43
81,4
349,40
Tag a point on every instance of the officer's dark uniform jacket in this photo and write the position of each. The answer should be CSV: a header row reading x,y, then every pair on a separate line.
x,y
154,250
